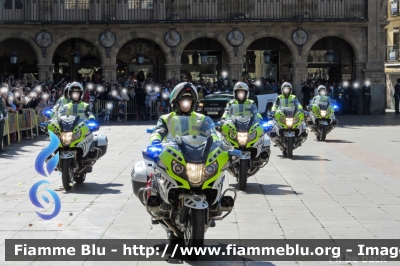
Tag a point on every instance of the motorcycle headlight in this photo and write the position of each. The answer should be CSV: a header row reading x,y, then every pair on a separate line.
x,y
177,168
252,135
77,135
195,173
242,138
323,113
289,122
66,138
232,135
282,120
211,169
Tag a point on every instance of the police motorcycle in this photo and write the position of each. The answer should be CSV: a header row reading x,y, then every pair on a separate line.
x,y
289,129
81,145
180,182
245,131
322,118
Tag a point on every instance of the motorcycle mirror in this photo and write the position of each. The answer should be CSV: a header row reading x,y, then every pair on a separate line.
x,y
236,153
150,130
218,124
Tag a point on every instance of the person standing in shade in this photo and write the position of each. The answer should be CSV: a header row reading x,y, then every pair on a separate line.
x,y
397,97
3,116
355,98
306,90
366,91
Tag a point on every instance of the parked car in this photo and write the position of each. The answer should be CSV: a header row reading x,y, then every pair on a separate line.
x,y
214,105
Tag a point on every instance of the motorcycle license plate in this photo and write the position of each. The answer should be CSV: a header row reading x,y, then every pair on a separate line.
x,y
290,134
325,123
212,113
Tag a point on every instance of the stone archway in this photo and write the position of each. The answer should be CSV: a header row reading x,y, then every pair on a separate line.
x,y
154,62
64,65
27,59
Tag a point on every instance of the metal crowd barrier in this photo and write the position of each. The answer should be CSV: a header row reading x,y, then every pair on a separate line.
x,y
154,108
16,123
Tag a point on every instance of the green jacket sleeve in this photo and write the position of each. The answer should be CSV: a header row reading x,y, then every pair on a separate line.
x,y
226,113
161,131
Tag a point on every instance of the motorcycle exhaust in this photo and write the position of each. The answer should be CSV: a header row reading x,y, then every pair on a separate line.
x,y
171,227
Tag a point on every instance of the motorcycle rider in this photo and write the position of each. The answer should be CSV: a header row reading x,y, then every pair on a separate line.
x,y
286,99
183,100
76,106
241,92
61,102
321,97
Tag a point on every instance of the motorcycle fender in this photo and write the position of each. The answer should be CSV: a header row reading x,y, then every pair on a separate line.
x,y
267,141
245,156
290,134
195,201
67,154
324,123
101,138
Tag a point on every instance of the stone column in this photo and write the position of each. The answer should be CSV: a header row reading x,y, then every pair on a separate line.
x,y
45,71
235,70
173,71
358,71
299,73
109,72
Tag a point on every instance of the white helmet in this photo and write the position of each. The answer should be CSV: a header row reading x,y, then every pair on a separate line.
x,y
287,85
184,90
75,87
241,86
321,87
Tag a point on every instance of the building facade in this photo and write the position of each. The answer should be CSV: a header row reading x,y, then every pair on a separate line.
x,y
173,36
392,59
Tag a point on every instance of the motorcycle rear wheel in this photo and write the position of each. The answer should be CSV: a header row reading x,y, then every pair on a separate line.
x,y
242,178
67,173
195,230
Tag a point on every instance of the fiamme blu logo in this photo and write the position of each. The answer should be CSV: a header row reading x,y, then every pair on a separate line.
x,y
50,164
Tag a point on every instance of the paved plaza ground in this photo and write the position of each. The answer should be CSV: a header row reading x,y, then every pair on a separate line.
x,y
347,187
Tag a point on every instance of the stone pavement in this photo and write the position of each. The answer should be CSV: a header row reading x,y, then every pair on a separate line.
x,y
346,187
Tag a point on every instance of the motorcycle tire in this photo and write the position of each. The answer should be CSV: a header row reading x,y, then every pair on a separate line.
x,y
242,178
195,230
324,132
79,179
67,174
290,147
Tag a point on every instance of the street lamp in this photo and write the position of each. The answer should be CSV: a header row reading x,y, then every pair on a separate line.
x,y
140,55
330,54
77,57
267,54
13,57
204,54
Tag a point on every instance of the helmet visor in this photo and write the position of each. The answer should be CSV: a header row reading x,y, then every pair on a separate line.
x,y
75,96
241,95
286,90
185,105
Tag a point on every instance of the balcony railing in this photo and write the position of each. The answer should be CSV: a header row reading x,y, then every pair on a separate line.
x,y
132,11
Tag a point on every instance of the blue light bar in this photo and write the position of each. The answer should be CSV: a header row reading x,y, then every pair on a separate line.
x,y
154,149
47,112
336,107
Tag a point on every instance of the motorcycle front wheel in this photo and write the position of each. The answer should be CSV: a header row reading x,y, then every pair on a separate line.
x,y
324,131
242,177
67,173
290,147
195,230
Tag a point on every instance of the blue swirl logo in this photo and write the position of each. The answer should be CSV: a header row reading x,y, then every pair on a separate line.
x,y
45,153
35,200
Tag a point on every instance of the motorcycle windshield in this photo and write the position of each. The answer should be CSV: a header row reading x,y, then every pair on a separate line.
x,y
68,122
193,136
289,112
323,105
243,116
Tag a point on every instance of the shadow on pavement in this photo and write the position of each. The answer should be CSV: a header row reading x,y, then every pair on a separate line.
x,y
95,188
304,158
272,189
337,141
16,149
